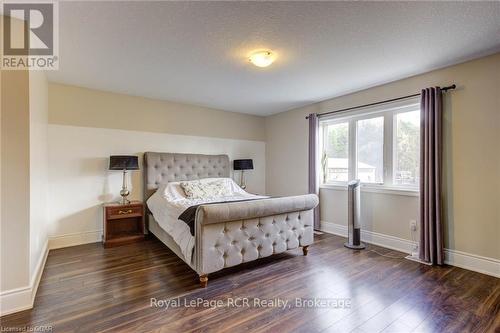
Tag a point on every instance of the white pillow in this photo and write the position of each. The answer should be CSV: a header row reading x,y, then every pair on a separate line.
x,y
206,189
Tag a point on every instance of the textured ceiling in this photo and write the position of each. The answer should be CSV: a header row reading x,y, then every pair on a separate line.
x,y
195,52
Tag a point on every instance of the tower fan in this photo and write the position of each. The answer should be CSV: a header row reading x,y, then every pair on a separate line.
x,y
354,216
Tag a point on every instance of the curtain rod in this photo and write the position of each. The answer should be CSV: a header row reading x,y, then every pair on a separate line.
x,y
453,86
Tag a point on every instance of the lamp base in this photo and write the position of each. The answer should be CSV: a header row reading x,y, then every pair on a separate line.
x,y
242,180
124,201
124,193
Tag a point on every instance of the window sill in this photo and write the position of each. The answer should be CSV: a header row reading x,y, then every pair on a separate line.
x,y
393,190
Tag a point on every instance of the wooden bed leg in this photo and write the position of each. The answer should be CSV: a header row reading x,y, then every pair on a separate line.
x,y
203,280
305,249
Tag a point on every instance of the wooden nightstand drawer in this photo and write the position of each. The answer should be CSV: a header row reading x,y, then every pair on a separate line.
x,y
123,224
123,212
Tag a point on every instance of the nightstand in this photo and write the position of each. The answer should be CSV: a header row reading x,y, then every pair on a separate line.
x,y
123,224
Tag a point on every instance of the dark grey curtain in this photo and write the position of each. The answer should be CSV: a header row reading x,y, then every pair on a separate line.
x,y
313,160
431,231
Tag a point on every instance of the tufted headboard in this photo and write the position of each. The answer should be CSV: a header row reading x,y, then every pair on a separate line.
x,y
161,168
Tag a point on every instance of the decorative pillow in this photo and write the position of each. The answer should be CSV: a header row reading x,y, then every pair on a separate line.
x,y
173,191
196,189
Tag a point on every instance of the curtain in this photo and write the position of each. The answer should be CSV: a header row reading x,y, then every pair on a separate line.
x,y
313,160
431,230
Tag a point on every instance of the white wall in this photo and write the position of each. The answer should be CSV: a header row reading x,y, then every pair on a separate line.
x,y
80,182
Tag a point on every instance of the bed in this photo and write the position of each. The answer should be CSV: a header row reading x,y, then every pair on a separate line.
x,y
227,233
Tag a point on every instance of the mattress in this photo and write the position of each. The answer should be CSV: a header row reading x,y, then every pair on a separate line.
x,y
166,209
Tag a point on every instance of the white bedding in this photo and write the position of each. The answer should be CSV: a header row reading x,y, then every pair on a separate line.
x,y
169,201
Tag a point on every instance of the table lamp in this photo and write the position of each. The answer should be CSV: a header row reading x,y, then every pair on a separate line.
x,y
242,165
124,163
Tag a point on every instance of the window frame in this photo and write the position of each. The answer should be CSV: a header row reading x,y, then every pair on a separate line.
x,y
388,111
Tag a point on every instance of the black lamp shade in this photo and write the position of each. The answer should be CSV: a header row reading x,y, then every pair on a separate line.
x,y
243,164
120,162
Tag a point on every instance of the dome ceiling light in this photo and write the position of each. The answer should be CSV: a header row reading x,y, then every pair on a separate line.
x,y
262,58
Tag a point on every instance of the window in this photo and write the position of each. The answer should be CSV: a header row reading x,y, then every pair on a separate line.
x,y
370,150
379,146
407,148
336,162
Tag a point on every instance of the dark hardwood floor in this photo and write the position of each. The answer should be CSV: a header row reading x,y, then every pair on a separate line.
x,y
91,289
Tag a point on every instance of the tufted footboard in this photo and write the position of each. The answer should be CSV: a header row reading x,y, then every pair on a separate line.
x,y
233,233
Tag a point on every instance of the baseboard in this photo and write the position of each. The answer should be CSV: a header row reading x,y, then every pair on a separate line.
x,y
333,228
484,265
375,238
415,258
472,262
73,239
20,299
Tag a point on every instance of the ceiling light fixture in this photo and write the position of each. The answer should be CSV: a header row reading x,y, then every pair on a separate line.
x,y
262,58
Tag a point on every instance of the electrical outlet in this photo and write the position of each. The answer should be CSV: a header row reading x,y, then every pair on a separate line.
x,y
413,225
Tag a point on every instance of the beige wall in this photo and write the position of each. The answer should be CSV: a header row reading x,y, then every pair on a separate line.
x,y
286,151
24,120
38,105
384,213
70,105
15,186
24,116
472,161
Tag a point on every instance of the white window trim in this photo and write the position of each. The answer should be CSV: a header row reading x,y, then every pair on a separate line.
x,y
369,188
387,111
